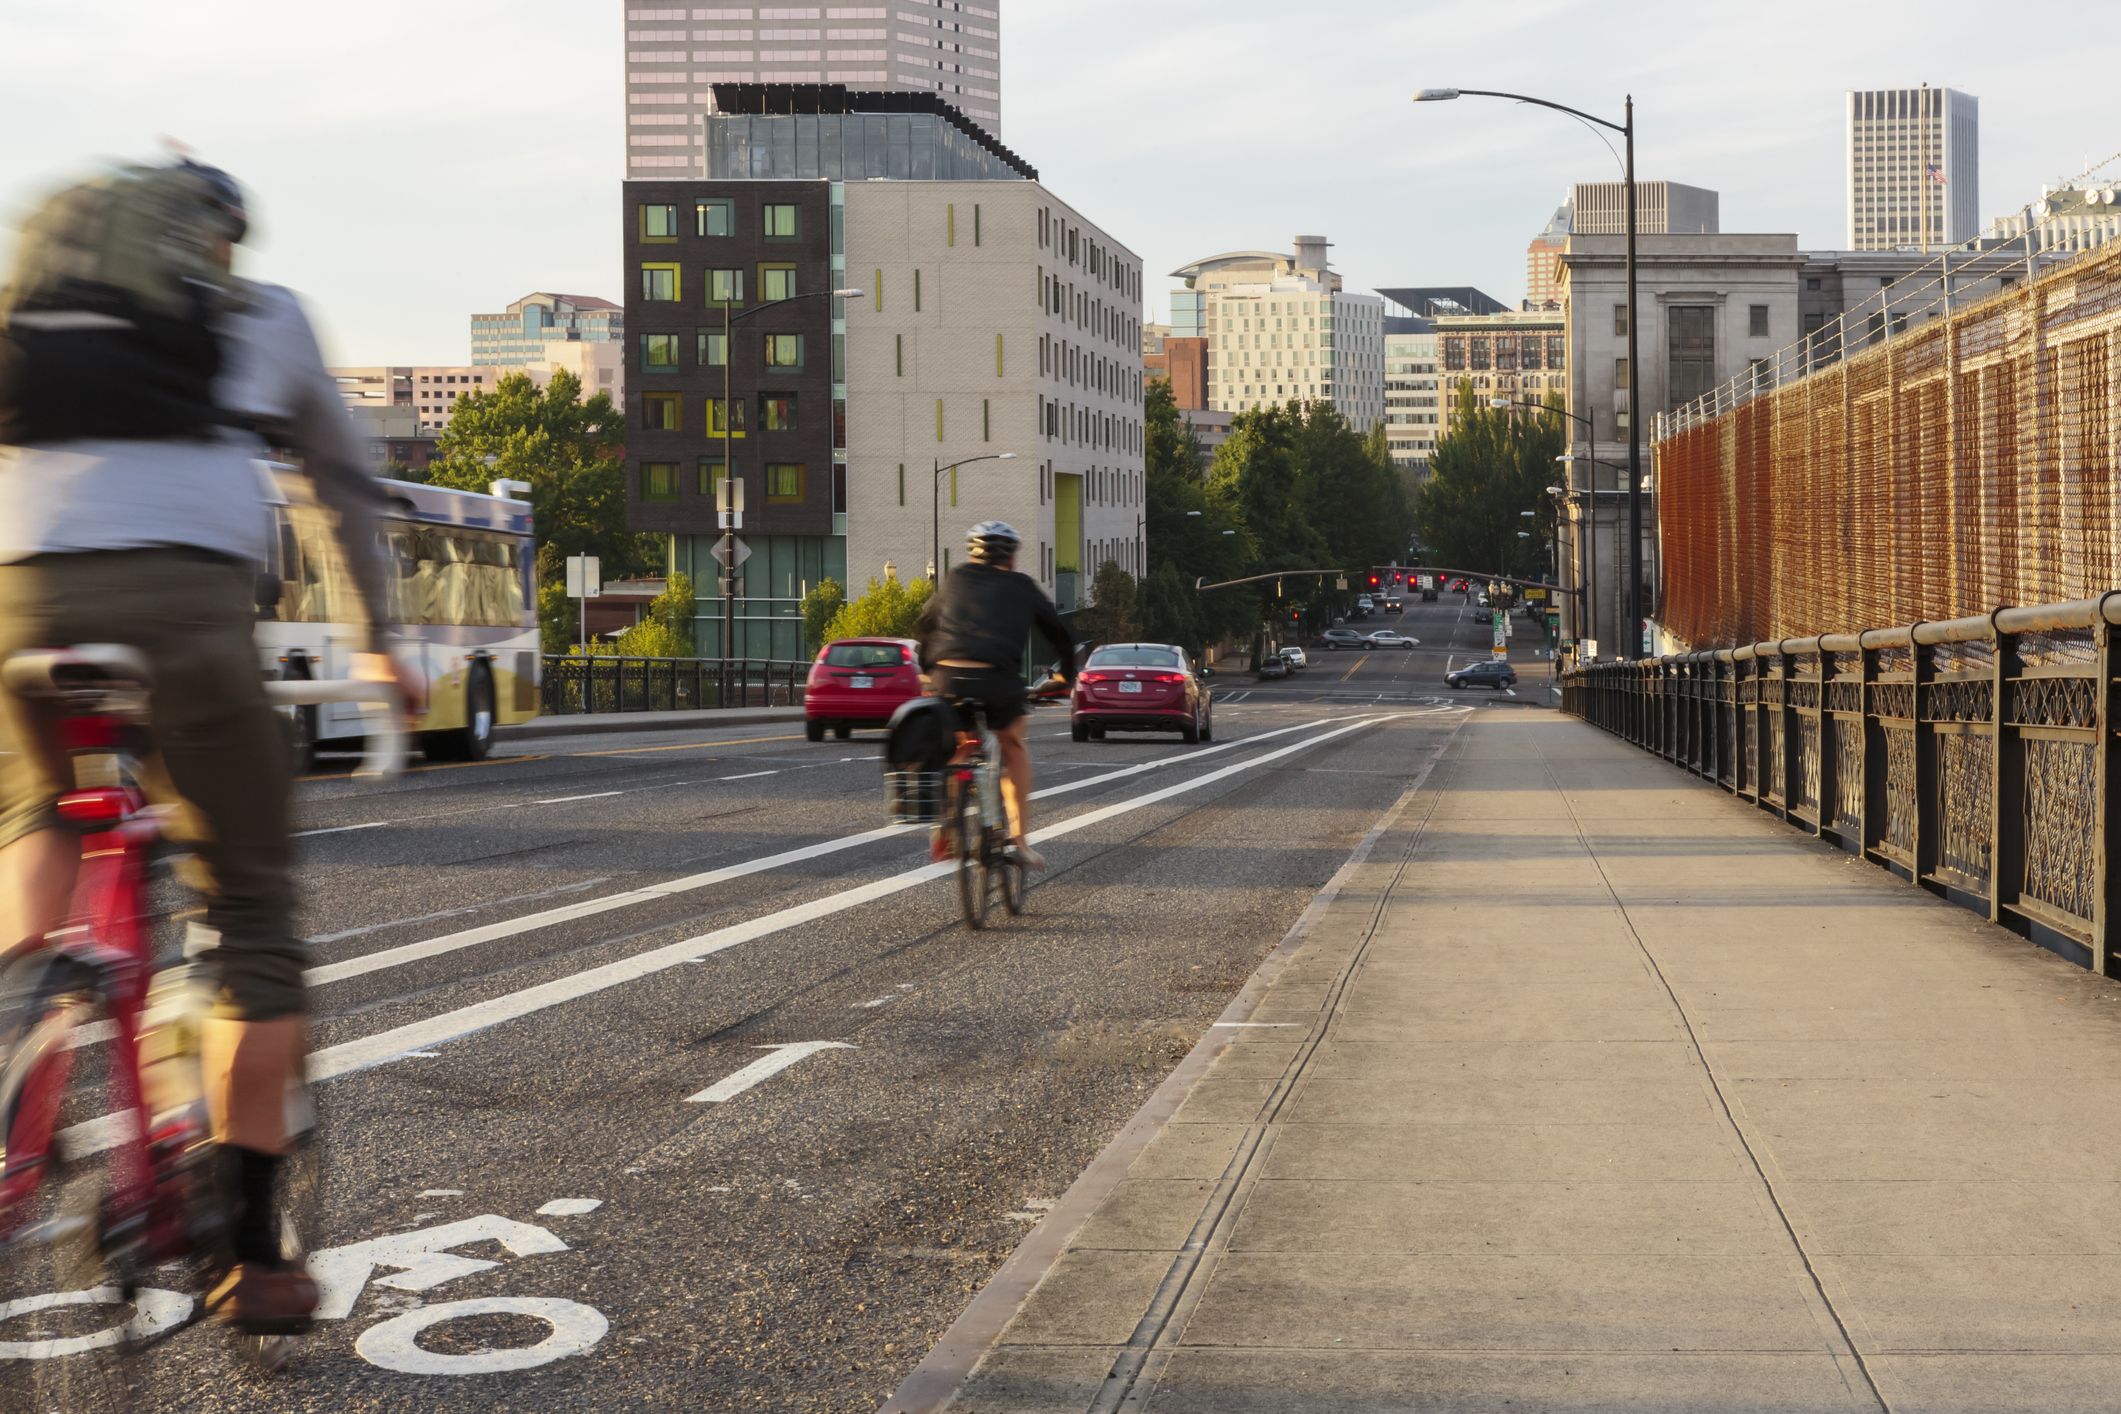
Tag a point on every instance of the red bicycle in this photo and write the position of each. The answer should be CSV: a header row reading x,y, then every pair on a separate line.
x,y
100,1260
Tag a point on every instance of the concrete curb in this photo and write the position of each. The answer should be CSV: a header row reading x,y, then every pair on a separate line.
x,y
600,723
935,1382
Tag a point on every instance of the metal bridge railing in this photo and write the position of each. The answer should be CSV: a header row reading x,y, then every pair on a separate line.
x,y
574,683
1975,757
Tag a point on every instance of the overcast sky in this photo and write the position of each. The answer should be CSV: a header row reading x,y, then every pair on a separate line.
x,y
413,162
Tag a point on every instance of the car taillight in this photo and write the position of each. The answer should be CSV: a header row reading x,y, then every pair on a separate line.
x,y
905,658
1167,677
1096,677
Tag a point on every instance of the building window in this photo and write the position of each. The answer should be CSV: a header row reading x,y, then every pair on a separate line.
x,y
839,489
975,223
714,216
876,285
899,344
659,353
779,223
902,483
1759,322
776,282
1620,319
986,421
711,476
777,412
916,290
659,282
659,224
784,350
950,223
714,348
939,427
784,482
1690,352
724,287
714,419
660,412
659,481
998,356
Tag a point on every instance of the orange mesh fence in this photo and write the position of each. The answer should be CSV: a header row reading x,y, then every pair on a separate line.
x,y
1945,470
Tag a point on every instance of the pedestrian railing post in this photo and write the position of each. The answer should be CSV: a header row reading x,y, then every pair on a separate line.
x,y
2106,880
2006,794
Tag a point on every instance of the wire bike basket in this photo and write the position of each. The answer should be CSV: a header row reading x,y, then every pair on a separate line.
x,y
914,797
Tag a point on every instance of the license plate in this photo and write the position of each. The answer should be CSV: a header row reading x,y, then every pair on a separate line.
x,y
861,680
1130,686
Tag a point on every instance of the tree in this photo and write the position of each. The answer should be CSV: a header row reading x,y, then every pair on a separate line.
x,y
569,451
820,605
557,618
886,609
1171,611
1486,472
1110,615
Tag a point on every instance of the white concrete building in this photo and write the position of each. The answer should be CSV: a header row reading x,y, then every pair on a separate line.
x,y
1413,400
1914,167
674,53
1281,329
1661,208
431,391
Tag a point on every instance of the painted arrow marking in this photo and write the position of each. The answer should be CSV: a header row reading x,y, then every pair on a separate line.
x,y
764,1068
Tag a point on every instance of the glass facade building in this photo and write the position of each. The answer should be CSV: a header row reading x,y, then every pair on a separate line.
x,y
516,337
853,147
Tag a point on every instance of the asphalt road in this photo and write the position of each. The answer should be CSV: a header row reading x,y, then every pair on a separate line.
x,y
659,1074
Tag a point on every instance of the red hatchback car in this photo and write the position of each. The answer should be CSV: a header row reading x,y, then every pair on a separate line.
x,y
858,682
1142,687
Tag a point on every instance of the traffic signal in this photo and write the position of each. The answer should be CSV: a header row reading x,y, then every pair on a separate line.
x,y
1373,581
1295,615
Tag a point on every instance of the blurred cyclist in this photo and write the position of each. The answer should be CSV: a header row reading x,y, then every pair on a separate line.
x,y
140,380
973,631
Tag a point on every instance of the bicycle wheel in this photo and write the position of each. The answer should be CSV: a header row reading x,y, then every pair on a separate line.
x,y
68,1317
1014,878
971,861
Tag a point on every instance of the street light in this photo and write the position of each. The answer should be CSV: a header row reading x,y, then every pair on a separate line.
x,y
935,503
728,545
1626,128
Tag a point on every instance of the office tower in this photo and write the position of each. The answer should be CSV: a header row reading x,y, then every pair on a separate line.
x,y
1914,168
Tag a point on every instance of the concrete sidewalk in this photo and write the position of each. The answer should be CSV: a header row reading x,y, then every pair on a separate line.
x,y
601,723
1592,1088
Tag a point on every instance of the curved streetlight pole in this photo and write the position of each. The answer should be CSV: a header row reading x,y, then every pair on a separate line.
x,y
1626,128
727,578
935,505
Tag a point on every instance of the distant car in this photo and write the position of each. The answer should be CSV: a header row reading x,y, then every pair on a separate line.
x,y
1428,595
1395,605
858,682
1488,672
1388,638
1143,687
1482,599
1338,638
1294,657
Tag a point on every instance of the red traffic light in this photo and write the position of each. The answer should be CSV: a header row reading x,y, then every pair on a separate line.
x,y
1373,581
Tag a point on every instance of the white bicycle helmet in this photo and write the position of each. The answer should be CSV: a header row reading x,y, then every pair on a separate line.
x,y
991,541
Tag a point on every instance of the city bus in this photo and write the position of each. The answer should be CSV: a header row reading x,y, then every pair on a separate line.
x,y
459,576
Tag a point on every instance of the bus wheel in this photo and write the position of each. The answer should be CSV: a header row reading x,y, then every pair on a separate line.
x,y
301,725
475,740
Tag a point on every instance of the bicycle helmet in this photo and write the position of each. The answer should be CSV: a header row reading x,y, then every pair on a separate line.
x,y
991,541
223,196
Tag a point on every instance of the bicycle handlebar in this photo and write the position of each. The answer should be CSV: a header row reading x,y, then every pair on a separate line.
x,y
384,756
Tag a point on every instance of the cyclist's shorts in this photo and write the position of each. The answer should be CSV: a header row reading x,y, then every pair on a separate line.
x,y
997,695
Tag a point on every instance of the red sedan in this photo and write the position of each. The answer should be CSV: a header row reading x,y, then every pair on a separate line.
x,y
1142,687
858,682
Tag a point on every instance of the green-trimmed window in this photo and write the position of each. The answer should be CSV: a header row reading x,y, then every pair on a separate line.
x,y
784,483
659,353
784,350
661,412
659,481
659,223
711,474
776,282
777,412
714,216
714,348
659,282
725,287
714,418
779,221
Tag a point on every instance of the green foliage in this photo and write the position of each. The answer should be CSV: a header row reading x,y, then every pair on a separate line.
x,y
888,608
568,451
819,607
665,631
557,618
1171,611
1110,616
1490,468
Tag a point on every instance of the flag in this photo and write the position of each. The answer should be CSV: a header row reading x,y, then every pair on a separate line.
x,y
1935,173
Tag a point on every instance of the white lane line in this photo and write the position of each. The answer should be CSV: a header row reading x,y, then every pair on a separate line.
x,y
764,1068
567,913
341,829
564,799
437,917
570,1207
748,776
1270,1025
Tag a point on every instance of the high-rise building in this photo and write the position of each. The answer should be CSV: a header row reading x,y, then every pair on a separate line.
x,y
1280,329
1661,208
1413,395
1541,285
430,391
1519,355
675,54
1914,167
516,337
841,410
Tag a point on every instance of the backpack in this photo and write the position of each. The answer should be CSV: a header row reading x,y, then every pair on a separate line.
x,y
109,321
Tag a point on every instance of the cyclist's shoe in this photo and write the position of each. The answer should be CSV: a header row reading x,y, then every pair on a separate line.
x,y
941,848
264,1300
1020,853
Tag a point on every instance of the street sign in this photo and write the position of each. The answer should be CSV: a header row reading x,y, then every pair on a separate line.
x,y
1534,594
729,561
729,504
585,577
1588,651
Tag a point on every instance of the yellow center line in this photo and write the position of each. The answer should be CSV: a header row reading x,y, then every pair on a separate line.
x,y
688,746
1353,666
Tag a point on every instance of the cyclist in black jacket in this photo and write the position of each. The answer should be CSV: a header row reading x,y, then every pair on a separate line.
x,y
973,633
